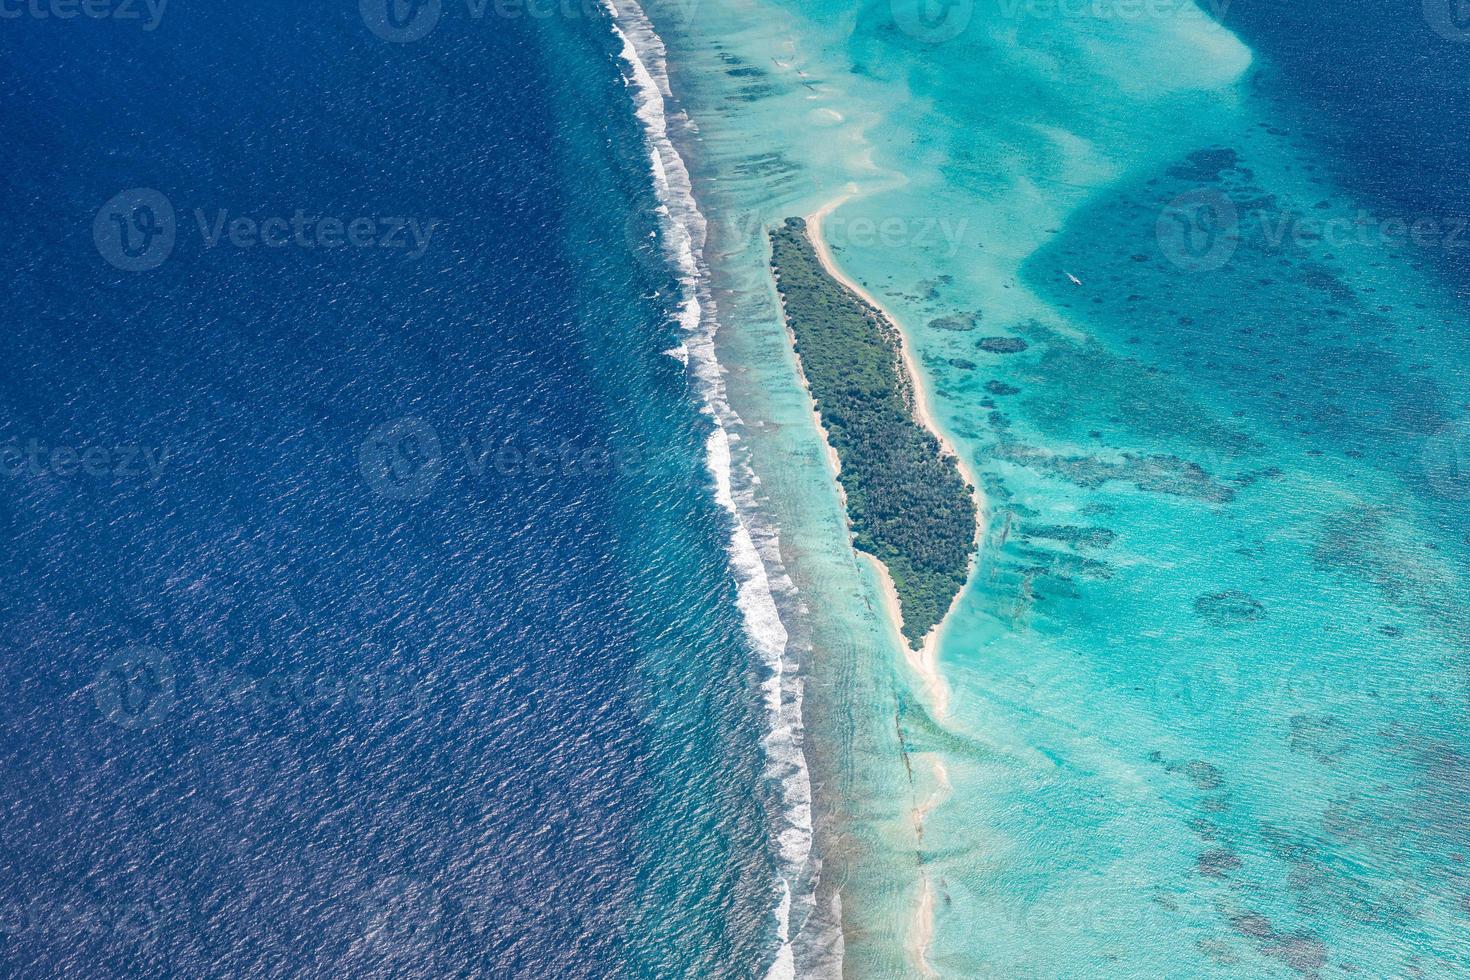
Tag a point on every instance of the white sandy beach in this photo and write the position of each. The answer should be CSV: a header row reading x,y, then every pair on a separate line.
x,y
925,660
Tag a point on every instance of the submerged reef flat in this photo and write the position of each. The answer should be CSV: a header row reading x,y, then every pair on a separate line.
x,y
908,503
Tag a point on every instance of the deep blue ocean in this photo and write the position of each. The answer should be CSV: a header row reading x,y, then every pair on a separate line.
x,y
1383,87
365,611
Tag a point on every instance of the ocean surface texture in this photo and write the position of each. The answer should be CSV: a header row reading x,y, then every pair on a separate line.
x,y
367,605
423,560
1187,288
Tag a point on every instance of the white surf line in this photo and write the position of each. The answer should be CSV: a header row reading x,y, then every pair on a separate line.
x,y
757,570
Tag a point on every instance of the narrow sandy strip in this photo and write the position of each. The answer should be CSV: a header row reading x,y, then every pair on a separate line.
x,y
925,661
942,788
922,933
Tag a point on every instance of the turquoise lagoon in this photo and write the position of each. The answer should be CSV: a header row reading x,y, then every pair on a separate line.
x,y
1207,692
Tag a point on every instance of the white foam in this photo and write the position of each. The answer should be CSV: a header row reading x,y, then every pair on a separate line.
x,y
753,547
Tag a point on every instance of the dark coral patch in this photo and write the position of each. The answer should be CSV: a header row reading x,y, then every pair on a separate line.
x,y
1001,345
1218,862
1229,608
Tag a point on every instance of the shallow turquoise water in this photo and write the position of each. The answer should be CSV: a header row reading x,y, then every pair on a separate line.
x,y
1207,689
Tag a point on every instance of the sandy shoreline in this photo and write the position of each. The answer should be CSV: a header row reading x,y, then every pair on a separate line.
x,y
921,396
924,661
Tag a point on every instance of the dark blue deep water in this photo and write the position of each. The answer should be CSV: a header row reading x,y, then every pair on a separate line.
x,y
1384,89
364,610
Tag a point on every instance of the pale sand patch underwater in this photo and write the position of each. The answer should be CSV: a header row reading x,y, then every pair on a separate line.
x,y
923,927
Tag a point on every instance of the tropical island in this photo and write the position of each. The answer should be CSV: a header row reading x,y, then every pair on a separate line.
x,y
908,504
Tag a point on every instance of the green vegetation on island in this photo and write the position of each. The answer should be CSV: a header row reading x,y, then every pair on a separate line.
x,y
909,505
